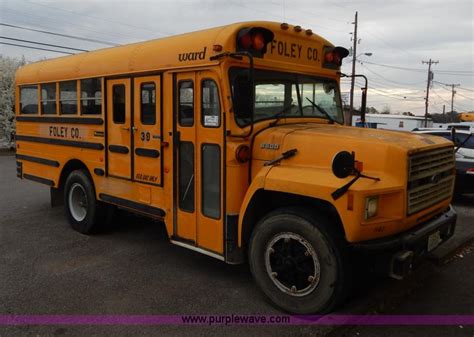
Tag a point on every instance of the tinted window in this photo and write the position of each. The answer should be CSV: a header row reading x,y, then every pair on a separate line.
x,y
186,176
48,98
148,104
211,181
186,103
210,107
91,96
29,100
68,98
119,103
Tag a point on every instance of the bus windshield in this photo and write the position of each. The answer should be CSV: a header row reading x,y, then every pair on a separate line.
x,y
288,95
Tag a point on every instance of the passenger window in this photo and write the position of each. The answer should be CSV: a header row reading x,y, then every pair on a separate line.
x,y
210,106
148,104
186,103
211,180
68,98
91,96
48,99
29,100
118,103
186,176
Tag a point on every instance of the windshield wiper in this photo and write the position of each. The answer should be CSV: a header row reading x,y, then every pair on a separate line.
x,y
279,115
324,112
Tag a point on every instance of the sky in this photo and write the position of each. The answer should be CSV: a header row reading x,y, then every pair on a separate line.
x,y
399,35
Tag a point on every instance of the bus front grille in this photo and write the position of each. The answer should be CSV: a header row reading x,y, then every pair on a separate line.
x,y
430,178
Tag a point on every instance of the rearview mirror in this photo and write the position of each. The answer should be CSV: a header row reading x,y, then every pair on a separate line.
x,y
343,164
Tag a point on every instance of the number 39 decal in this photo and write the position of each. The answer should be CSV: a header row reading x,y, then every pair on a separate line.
x,y
145,136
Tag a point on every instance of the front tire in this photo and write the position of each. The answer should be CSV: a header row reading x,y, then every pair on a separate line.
x,y
85,214
298,261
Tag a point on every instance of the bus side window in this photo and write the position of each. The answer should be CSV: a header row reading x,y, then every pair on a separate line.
x,y
119,104
29,100
210,107
186,103
68,98
48,99
148,104
91,96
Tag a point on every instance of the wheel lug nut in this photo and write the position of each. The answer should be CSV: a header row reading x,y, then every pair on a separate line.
x,y
306,253
293,289
310,278
274,274
271,250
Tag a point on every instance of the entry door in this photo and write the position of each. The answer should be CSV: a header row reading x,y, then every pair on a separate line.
x,y
118,128
146,130
185,149
198,119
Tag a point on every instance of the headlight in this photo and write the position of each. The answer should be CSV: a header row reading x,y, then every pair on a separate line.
x,y
371,206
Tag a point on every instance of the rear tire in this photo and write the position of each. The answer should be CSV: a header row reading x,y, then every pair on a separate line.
x,y
85,213
298,261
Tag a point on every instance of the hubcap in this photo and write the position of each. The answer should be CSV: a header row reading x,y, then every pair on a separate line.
x,y
77,202
292,264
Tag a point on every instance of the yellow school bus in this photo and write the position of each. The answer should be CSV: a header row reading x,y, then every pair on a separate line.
x,y
234,138
466,117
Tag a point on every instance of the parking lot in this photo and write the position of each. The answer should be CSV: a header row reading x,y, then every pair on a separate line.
x,y
46,268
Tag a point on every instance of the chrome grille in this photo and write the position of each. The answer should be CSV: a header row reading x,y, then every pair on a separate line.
x,y
430,178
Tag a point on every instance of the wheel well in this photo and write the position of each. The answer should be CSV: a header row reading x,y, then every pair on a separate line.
x,y
72,165
264,201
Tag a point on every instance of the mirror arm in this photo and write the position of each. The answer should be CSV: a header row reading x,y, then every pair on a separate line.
x,y
364,95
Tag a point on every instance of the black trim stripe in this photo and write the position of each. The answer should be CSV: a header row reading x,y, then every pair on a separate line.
x,y
38,179
133,205
139,151
38,160
62,120
63,142
118,149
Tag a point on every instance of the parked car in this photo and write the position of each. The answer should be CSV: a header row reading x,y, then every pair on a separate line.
x,y
464,155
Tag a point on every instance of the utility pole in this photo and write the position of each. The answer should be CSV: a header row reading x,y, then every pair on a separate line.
x,y
354,57
444,113
430,78
452,97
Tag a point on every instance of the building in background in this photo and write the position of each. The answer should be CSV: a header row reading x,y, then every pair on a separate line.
x,y
392,122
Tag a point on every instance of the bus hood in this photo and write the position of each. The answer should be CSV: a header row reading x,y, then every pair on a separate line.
x,y
317,144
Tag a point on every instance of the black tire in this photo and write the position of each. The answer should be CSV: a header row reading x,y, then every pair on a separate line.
x,y
320,296
93,214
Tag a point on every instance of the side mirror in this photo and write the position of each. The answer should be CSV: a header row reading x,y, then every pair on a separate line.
x,y
243,96
343,164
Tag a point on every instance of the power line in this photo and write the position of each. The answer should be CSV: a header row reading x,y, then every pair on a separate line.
x,y
99,18
441,72
465,89
386,79
58,34
40,43
37,48
53,21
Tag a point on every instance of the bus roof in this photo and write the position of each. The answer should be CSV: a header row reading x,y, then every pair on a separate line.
x,y
185,50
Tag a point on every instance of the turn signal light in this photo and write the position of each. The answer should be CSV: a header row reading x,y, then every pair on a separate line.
x,y
333,56
254,40
242,154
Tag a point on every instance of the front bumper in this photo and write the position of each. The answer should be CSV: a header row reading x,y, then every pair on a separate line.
x,y
403,248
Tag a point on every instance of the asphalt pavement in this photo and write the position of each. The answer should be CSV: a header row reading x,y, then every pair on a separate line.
x,y
132,269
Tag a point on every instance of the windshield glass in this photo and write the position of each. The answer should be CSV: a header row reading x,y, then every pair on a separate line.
x,y
280,94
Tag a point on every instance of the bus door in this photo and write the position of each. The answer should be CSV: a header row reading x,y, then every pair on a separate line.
x,y
118,128
146,130
199,160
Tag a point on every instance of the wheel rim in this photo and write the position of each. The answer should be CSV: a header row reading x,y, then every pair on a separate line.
x,y
292,264
78,202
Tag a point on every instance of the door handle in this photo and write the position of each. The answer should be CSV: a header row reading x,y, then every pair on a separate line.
x,y
125,128
134,129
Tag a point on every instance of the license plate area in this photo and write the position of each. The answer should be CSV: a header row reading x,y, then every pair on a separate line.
x,y
434,240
